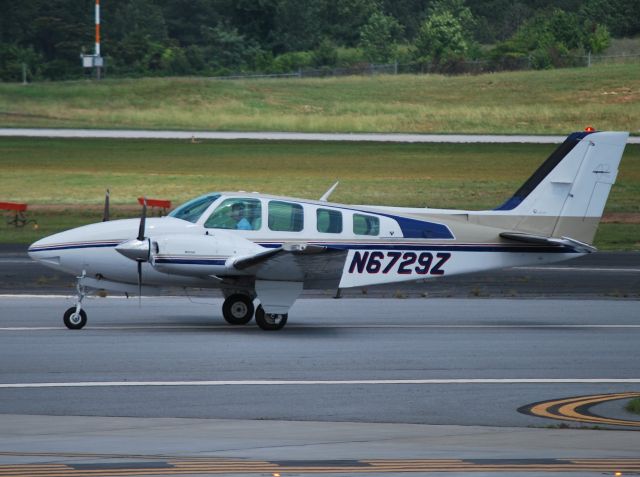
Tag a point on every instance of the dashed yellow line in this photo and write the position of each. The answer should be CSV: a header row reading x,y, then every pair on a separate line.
x,y
147,466
567,409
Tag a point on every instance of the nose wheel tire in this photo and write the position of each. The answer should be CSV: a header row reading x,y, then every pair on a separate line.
x,y
73,320
270,321
238,309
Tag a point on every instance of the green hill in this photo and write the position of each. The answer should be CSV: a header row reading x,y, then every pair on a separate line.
x,y
533,102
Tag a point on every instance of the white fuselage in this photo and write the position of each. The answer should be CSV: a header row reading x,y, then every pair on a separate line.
x,y
381,245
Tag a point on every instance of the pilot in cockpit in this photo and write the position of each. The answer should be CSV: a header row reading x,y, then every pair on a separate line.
x,y
237,214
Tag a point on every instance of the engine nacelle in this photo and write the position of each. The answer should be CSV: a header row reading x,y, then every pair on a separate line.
x,y
200,255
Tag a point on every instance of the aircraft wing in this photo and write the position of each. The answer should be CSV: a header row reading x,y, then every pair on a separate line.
x,y
296,262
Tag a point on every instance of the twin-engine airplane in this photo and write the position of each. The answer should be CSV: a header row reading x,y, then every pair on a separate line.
x,y
269,248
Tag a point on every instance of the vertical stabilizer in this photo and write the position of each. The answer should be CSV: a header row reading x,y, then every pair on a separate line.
x,y
566,196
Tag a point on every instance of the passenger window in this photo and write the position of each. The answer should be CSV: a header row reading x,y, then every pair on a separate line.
x,y
329,221
285,216
366,225
239,214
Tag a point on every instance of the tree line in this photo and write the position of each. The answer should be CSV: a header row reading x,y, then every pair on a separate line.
x,y
218,37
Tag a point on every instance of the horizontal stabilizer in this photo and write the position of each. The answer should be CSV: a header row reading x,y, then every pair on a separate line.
x,y
552,241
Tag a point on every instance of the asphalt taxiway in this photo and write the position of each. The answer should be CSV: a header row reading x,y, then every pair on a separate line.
x,y
429,361
358,385
350,386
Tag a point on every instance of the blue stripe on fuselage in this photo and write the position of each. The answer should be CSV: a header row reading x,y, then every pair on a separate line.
x,y
358,246
443,247
189,261
71,247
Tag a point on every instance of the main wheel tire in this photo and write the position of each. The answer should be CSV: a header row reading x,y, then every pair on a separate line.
x,y
238,309
269,321
73,320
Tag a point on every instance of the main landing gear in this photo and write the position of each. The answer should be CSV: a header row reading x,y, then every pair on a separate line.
x,y
270,321
75,317
238,309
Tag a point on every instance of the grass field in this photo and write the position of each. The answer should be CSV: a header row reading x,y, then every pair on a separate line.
x,y
554,101
63,180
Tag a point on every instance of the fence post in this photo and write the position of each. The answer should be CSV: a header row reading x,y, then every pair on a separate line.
x,y
589,59
395,67
24,73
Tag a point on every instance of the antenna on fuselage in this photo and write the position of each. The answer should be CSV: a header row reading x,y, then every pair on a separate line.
x,y
326,195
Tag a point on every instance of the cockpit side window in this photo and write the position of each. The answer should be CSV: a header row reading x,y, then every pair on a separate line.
x,y
236,213
329,221
192,210
366,225
285,216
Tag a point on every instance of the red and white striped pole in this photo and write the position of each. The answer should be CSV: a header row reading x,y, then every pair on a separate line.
x,y
97,49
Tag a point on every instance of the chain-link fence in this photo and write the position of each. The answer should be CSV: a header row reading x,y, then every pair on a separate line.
x,y
504,63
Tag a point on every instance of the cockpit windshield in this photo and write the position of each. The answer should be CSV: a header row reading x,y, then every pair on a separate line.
x,y
192,210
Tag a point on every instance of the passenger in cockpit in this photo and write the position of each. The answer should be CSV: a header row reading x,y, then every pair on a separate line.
x,y
237,214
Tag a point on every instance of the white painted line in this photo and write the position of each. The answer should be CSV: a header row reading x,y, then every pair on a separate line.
x,y
108,297
580,269
319,326
278,382
26,328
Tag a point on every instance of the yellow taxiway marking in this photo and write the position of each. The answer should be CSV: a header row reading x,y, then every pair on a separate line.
x,y
155,465
576,409
328,382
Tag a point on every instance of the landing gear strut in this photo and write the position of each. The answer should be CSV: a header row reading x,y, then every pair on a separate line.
x,y
75,317
237,309
270,321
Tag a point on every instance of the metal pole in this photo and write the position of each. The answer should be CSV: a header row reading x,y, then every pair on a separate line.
x,y
97,49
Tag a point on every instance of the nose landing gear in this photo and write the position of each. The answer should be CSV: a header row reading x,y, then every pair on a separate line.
x,y
75,317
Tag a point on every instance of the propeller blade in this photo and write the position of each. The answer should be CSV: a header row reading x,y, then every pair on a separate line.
x,y
143,219
139,283
105,214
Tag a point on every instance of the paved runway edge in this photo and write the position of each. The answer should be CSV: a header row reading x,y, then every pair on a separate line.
x,y
286,136
320,446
